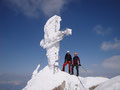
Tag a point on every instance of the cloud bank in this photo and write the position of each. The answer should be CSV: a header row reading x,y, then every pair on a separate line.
x,y
12,79
111,45
35,8
112,62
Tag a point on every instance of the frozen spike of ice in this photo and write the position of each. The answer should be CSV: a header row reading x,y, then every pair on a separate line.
x,y
35,72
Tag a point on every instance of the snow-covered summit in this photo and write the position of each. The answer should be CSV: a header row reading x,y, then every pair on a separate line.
x,y
47,79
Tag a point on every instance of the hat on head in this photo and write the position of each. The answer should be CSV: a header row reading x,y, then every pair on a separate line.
x,y
75,53
68,51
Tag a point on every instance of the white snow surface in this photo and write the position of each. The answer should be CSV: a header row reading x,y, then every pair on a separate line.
x,y
92,81
47,79
112,84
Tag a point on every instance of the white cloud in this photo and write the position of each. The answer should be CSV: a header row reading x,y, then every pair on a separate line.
x,y
11,82
112,62
50,7
34,8
110,45
101,30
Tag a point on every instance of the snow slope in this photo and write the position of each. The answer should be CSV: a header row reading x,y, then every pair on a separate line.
x,y
47,79
112,84
92,81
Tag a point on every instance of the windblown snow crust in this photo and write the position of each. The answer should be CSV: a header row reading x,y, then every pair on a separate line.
x,y
46,79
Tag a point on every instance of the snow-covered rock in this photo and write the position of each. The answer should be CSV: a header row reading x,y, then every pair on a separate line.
x,y
48,79
112,84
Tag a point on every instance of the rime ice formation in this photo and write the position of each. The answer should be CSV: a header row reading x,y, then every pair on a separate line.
x,y
52,38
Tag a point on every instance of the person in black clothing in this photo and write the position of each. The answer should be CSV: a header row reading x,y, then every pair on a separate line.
x,y
76,62
68,60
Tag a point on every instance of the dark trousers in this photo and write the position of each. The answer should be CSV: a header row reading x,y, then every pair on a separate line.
x,y
77,68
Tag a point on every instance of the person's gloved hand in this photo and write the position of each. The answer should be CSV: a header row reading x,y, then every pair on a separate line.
x,y
72,64
80,65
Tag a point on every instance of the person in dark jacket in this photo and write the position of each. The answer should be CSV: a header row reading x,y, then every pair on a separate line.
x,y
76,62
68,60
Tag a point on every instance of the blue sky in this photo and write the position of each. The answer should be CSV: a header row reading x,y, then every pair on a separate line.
x,y
95,26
